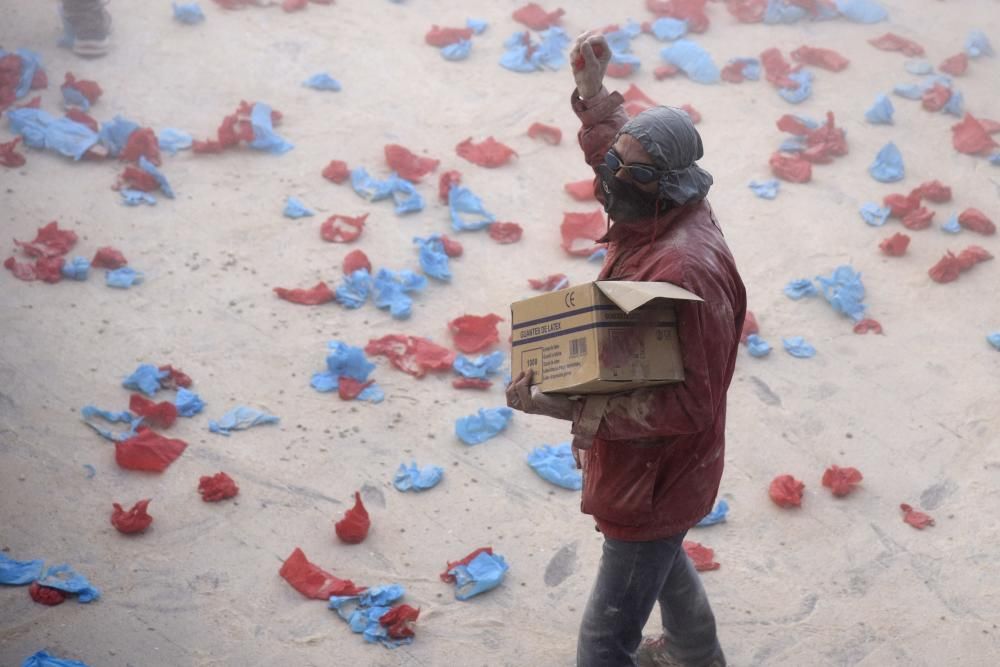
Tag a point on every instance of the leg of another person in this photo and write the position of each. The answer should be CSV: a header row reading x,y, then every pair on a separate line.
x,y
90,24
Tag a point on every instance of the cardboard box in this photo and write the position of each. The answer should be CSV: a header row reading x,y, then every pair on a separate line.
x,y
599,338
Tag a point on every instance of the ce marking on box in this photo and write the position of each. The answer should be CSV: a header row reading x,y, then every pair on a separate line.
x,y
570,299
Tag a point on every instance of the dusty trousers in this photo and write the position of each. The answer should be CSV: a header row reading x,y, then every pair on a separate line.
x,y
631,578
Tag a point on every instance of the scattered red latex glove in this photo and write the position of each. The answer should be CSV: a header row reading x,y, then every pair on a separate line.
x,y
692,11
548,133
450,578
135,520
89,89
619,71
900,205
175,378
790,167
9,157
895,245
750,326
397,621
50,597
353,528
161,415
777,69
488,153
972,136
349,389
636,101
935,97
580,231
956,65
46,269
342,228
219,486
83,118
971,256
536,18
892,42
108,258
786,491
747,11
452,248
918,219
312,581
141,142
313,296
581,190
475,333
416,356
355,260
665,72
841,481
471,383
946,270
407,164
447,179
692,113
703,557
548,284
827,59
138,179
441,37
293,5
49,241
918,520
148,450
336,171
505,232
866,325
933,191
975,220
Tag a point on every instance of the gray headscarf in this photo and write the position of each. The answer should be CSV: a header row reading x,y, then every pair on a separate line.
x,y
668,135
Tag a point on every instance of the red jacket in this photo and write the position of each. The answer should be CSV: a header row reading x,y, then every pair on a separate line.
x,y
656,461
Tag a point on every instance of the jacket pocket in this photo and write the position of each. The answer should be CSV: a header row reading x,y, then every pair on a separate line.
x,y
620,482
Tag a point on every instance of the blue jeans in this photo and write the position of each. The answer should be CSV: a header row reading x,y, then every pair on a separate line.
x,y
632,577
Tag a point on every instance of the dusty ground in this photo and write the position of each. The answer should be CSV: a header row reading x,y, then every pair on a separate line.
x,y
839,582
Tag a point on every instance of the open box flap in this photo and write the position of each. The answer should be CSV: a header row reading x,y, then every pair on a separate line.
x,y
630,294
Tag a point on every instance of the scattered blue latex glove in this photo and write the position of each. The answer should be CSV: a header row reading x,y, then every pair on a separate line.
x,y
779,11
952,226
667,29
354,289
392,291
804,90
844,292
478,25
911,91
43,659
798,347
19,572
467,210
406,197
888,166
188,403
433,258
145,378
294,208
794,144
153,171
620,43
74,98
343,360
955,105
765,189
240,418
171,140
995,159
751,67
876,215
862,11
326,382
89,412
322,81
481,366
976,44
369,187
264,136
484,573
918,67
460,50
994,339
598,255
30,62
123,278
413,478
188,12
132,197
556,464
76,268
757,346
42,130
880,113
68,580
362,613
521,55
114,134
691,59
480,427
800,288
718,515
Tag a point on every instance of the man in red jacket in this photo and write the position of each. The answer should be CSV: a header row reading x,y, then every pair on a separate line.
x,y
652,458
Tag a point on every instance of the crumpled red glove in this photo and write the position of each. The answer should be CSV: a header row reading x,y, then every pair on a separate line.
x,y
161,415
918,520
353,528
841,481
135,520
219,486
317,294
703,557
475,333
786,491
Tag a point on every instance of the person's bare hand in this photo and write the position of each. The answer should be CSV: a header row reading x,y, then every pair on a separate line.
x,y
528,399
589,58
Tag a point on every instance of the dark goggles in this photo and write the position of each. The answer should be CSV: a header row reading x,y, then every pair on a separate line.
x,y
640,173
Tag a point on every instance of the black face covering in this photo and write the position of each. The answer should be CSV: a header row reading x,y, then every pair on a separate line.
x,y
624,201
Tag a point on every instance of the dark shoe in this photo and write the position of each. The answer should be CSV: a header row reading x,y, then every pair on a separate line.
x,y
88,25
654,652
